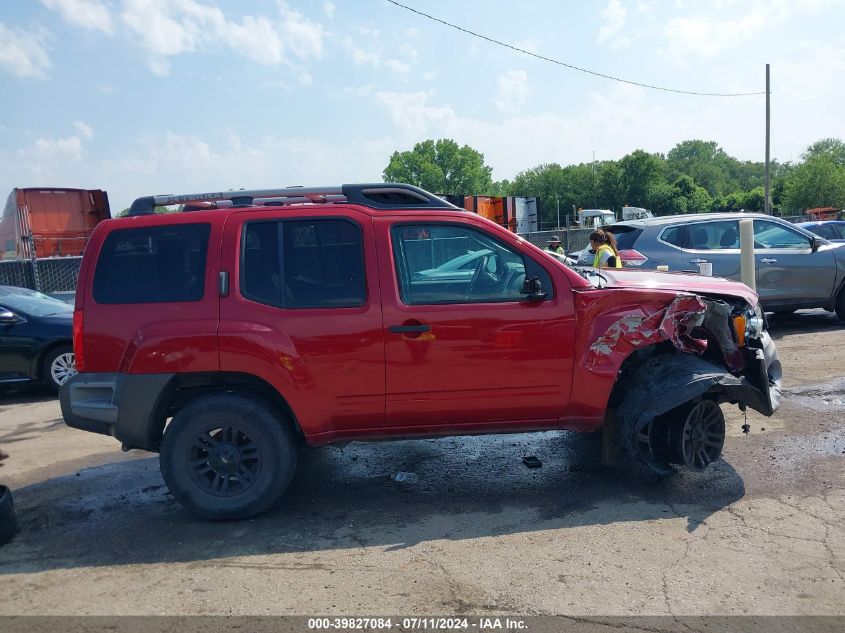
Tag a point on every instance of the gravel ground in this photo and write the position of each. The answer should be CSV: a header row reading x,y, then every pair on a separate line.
x,y
471,530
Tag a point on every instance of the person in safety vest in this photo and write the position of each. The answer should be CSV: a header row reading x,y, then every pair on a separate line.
x,y
603,252
554,245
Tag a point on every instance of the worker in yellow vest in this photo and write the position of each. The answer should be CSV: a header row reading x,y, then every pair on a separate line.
x,y
603,244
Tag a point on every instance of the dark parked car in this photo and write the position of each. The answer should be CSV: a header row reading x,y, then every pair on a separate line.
x,y
831,230
795,268
36,334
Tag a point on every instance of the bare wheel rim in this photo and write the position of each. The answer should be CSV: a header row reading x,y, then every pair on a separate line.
x,y
703,435
63,368
224,461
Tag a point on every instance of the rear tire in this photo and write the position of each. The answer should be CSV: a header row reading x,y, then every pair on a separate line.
x,y
59,367
840,305
228,457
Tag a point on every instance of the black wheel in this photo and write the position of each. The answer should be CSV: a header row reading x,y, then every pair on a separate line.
x,y
59,367
840,305
692,435
8,523
228,457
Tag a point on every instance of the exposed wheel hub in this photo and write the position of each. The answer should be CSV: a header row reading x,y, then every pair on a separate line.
x,y
691,435
224,461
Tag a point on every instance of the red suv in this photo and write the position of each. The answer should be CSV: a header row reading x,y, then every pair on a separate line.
x,y
226,335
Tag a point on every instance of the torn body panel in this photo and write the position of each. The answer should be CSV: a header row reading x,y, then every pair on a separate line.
x,y
675,323
699,327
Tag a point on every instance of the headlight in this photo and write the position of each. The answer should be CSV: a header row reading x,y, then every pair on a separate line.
x,y
750,323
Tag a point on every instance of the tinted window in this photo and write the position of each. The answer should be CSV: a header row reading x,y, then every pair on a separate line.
x,y
674,235
152,265
714,235
303,264
453,264
625,237
772,235
261,268
827,231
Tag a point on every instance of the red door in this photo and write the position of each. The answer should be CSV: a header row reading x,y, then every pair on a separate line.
x,y
303,313
463,347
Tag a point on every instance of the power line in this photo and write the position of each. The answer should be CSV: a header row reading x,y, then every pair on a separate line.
x,y
570,66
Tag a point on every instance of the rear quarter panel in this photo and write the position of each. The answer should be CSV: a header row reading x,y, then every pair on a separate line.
x,y
145,338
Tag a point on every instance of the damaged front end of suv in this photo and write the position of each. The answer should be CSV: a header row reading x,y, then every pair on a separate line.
x,y
674,365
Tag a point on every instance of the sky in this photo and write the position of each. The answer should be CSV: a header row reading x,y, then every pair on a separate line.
x,y
142,97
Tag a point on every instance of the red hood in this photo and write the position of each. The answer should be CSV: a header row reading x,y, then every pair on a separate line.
x,y
684,282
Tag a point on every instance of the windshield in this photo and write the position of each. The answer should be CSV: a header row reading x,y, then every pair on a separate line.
x,y
33,303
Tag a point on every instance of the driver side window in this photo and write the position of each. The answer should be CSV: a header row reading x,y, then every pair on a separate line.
x,y
441,263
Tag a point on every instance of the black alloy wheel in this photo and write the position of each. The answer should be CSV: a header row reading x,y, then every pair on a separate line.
x,y
224,461
227,456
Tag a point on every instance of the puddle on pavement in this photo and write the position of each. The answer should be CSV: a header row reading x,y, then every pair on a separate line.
x,y
828,396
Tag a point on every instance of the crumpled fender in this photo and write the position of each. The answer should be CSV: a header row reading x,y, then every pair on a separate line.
x,y
674,323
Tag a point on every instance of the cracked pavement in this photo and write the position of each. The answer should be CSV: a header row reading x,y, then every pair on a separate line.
x,y
762,532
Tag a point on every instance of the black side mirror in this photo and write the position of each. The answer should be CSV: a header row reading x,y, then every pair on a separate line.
x,y
532,287
815,243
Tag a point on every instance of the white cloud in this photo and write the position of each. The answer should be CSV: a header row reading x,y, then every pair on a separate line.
x,y
328,9
614,19
708,34
86,130
513,90
23,53
174,27
175,162
396,66
56,149
89,14
373,54
611,122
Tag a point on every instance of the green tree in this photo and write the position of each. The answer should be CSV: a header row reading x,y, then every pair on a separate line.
x,y
699,201
831,147
611,185
641,171
707,163
755,200
442,166
818,182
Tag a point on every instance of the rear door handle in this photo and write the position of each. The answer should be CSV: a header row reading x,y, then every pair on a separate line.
x,y
699,261
403,329
768,260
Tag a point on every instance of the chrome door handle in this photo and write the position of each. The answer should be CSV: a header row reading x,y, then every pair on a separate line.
x,y
768,260
699,261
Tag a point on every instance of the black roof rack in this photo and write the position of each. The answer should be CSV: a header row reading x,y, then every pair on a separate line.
x,y
382,195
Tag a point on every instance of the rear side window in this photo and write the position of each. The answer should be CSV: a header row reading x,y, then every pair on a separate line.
x,y
674,235
303,264
156,264
709,236
625,236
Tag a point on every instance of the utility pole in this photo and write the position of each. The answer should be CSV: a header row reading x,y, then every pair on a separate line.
x,y
767,208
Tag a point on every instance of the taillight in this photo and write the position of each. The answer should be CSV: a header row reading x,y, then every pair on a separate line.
x,y
631,257
77,340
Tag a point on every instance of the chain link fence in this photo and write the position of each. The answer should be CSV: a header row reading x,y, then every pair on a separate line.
x,y
52,275
571,239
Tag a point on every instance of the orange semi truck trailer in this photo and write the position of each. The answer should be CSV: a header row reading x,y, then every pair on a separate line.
x,y
50,222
